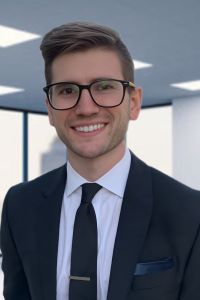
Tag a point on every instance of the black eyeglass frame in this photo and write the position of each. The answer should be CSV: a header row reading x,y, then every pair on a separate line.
x,y
81,87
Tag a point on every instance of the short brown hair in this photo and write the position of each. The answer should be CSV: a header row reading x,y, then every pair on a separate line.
x,y
82,36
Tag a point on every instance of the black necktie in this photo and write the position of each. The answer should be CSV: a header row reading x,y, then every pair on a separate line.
x,y
83,275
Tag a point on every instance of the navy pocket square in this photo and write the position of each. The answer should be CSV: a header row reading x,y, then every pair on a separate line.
x,y
154,266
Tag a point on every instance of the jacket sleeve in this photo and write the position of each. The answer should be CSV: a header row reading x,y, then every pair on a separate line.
x,y
190,289
15,282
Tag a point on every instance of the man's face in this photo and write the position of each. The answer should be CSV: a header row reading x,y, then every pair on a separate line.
x,y
108,125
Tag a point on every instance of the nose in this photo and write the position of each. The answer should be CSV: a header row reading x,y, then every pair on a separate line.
x,y
86,106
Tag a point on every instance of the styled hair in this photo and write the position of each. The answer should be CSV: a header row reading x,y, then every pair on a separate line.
x,y
83,36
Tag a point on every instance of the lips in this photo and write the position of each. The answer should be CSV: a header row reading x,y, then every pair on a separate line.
x,y
89,128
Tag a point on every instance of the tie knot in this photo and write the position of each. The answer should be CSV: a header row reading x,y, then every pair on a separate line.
x,y
88,191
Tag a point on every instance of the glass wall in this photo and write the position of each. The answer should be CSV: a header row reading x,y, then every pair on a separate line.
x,y
45,151
10,156
150,137
10,150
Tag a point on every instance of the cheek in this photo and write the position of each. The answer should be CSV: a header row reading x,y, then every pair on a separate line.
x,y
51,115
51,121
57,118
128,110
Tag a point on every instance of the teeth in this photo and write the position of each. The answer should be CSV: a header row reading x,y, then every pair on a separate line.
x,y
90,128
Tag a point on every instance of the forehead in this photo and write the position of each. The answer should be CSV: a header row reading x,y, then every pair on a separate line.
x,y
85,66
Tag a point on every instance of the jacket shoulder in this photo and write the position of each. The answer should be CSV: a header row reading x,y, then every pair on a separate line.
x,y
26,192
175,199
41,180
170,195
161,180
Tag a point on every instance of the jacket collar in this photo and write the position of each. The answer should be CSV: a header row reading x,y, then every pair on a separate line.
x,y
48,230
132,229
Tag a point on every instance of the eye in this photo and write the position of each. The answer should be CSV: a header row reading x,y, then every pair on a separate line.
x,y
104,85
66,89
69,89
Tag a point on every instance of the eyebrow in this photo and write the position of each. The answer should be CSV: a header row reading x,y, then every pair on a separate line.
x,y
93,80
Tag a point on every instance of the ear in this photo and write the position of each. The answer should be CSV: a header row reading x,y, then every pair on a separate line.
x,y
50,114
135,103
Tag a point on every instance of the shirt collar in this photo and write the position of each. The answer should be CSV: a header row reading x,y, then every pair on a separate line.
x,y
114,180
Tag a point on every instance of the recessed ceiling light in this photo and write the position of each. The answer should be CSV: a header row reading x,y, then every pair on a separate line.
x,y
11,36
9,90
141,65
188,85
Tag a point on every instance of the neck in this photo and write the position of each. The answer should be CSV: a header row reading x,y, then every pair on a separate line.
x,y
93,168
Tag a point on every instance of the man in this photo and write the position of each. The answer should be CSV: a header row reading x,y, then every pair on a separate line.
x,y
147,223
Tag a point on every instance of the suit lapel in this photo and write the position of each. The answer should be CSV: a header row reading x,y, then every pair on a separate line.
x,y
48,232
132,228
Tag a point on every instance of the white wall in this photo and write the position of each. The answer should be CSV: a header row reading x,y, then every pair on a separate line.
x,y
150,137
186,141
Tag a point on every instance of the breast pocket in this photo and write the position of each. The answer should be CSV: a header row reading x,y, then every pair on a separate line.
x,y
156,279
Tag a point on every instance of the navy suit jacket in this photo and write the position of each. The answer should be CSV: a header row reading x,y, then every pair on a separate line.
x,y
157,248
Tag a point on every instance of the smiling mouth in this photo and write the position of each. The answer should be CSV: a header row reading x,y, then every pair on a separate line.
x,y
89,128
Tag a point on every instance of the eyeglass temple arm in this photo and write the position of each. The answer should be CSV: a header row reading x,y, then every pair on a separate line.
x,y
131,84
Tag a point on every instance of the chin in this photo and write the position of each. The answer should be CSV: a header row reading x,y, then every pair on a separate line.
x,y
88,153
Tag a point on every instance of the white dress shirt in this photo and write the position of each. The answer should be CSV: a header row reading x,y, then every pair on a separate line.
x,y
107,205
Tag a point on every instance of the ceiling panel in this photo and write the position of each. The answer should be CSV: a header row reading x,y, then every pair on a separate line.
x,y
162,33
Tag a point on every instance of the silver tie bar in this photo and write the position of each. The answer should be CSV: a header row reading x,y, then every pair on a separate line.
x,y
79,278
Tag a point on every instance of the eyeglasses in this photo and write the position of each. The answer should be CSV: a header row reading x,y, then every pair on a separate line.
x,y
104,92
